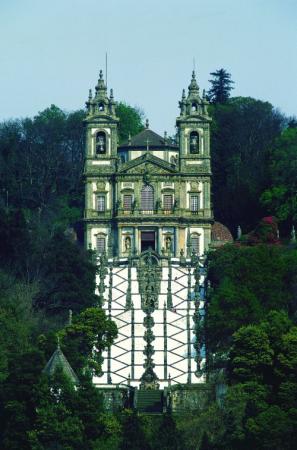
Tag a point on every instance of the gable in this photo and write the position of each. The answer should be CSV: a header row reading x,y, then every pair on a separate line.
x,y
147,164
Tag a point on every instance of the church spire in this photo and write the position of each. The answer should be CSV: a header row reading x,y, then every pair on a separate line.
x,y
101,104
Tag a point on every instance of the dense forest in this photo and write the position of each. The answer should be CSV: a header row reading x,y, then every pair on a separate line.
x,y
250,326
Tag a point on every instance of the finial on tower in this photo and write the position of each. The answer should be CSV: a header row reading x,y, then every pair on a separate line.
x,y
101,75
111,94
147,124
193,85
90,94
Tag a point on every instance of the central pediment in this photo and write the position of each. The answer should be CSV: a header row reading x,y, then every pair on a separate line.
x,y
147,163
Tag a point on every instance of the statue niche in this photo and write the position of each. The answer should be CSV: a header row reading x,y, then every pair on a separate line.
x,y
194,142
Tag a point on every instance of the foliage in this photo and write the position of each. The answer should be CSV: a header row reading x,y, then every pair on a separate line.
x,y
85,339
68,278
280,197
131,121
221,86
243,131
250,355
247,282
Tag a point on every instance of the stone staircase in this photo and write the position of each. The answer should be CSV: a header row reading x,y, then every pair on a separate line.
x,y
150,401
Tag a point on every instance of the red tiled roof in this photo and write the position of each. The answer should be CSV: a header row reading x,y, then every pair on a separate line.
x,y
220,232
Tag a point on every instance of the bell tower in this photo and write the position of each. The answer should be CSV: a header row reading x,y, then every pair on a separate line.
x,y
194,164
193,126
101,124
101,141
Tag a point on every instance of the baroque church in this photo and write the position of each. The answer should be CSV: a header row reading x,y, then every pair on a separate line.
x,y
148,192
148,217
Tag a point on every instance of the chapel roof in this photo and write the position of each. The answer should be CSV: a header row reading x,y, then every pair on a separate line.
x,y
58,359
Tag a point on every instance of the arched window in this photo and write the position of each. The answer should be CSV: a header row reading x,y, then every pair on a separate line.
x,y
194,142
147,198
100,143
195,243
101,107
194,107
100,243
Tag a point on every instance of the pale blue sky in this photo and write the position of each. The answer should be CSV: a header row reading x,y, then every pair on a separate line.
x,y
51,52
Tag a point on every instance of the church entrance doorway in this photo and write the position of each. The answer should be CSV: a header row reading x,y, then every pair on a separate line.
x,y
148,240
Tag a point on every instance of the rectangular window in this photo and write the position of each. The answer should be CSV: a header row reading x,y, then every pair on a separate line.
x,y
127,202
194,203
101,203
168,202
100,244
195,244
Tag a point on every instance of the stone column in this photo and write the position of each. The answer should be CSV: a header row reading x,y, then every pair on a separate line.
x,y
119,253
136,240
159,239
206,197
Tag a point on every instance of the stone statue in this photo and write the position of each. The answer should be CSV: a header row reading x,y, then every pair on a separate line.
x,y
127,243
293,234
168,243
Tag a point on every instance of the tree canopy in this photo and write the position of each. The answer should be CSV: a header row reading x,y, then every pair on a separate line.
x,y
221,86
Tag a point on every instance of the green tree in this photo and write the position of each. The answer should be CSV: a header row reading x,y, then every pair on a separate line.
x,y
280,197
85,339
247,282
133,437
221,86
68,279
131,120
167,436
243,131
271,429
251,355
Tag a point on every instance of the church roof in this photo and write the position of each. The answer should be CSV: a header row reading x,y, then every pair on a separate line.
x,y
146,138
58,359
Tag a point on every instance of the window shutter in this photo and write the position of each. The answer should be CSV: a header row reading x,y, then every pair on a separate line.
x,y
195,244
168,202
194,203
100,244
127,202
147,198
